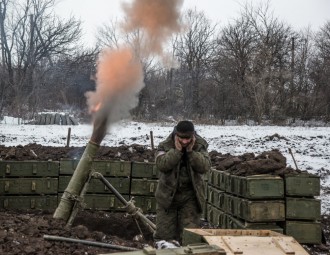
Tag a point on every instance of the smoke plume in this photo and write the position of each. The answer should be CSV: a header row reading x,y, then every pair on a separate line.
x,y
119,77
158,18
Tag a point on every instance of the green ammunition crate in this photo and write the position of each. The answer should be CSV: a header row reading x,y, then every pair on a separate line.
x,y
303,208
257,186
302,185
144,170
121,184
215,197
112,168
214,178
257,211
147,204
218,218
28,202
103,202
68,166
235,223
305,232
143,187
15,186
106,168
29,168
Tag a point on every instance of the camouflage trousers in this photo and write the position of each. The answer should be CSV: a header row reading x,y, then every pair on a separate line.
x,y
183,213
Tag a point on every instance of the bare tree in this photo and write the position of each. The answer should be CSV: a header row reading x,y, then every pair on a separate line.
x,y
320,71
31,39
194,49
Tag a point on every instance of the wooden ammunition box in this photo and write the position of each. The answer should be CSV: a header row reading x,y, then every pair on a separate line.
x,y
303,208
257,211
21,186
144,170
305,232
249,242
147,204
29,168
121,184
302,185
48,202
257,186
143,187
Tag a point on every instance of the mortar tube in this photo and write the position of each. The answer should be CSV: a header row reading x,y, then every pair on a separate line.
x,y
77,182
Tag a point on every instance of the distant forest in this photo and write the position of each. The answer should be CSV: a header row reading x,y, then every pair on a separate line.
x,y
255,67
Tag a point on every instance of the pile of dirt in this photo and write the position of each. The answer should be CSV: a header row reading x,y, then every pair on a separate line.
x,y
34,151
22,232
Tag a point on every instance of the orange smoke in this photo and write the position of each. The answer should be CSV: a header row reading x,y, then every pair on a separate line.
x,y
159,18
119,79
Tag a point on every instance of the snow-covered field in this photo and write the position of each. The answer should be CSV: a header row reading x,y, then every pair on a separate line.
x,y
310,145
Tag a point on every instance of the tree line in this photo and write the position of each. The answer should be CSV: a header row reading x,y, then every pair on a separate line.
x,y
254,67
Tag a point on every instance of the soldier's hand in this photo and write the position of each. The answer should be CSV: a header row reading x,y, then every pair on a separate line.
x,y
191,144
177,143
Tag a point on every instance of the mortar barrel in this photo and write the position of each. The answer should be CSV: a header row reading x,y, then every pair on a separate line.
x,y
77,182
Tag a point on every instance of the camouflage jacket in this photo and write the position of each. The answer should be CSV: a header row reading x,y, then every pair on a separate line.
x,y
168,160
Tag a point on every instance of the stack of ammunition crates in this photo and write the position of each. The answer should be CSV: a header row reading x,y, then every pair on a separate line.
x,y
40,184
28,185
303,210
265,202
143,186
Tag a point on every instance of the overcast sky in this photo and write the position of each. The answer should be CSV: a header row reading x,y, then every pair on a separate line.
x,y
298,13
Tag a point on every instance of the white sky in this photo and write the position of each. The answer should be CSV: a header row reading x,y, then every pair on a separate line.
x,y
310,145
298,13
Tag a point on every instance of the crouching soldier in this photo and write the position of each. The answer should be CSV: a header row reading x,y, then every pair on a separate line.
x,y
182,160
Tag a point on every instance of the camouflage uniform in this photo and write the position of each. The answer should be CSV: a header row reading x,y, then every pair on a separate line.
x,y
180,191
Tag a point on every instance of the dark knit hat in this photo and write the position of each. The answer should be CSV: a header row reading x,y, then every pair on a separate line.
x,y
185,128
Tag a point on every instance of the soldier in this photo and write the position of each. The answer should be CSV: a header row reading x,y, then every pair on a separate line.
x,y
182,160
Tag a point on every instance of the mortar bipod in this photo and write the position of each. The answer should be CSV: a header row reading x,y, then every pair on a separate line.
x,y
129,205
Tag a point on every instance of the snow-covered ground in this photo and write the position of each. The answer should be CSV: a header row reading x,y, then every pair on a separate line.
x,y
310,145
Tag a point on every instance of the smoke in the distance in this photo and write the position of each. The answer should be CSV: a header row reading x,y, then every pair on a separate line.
x,y
119,77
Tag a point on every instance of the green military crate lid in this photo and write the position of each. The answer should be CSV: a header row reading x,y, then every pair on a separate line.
x,y
299,208
112,168
121,184
143,186
104,202
28,202
146,203
144,169
29,168
258,186
302,185
67,166
305,232
26,186
104,167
